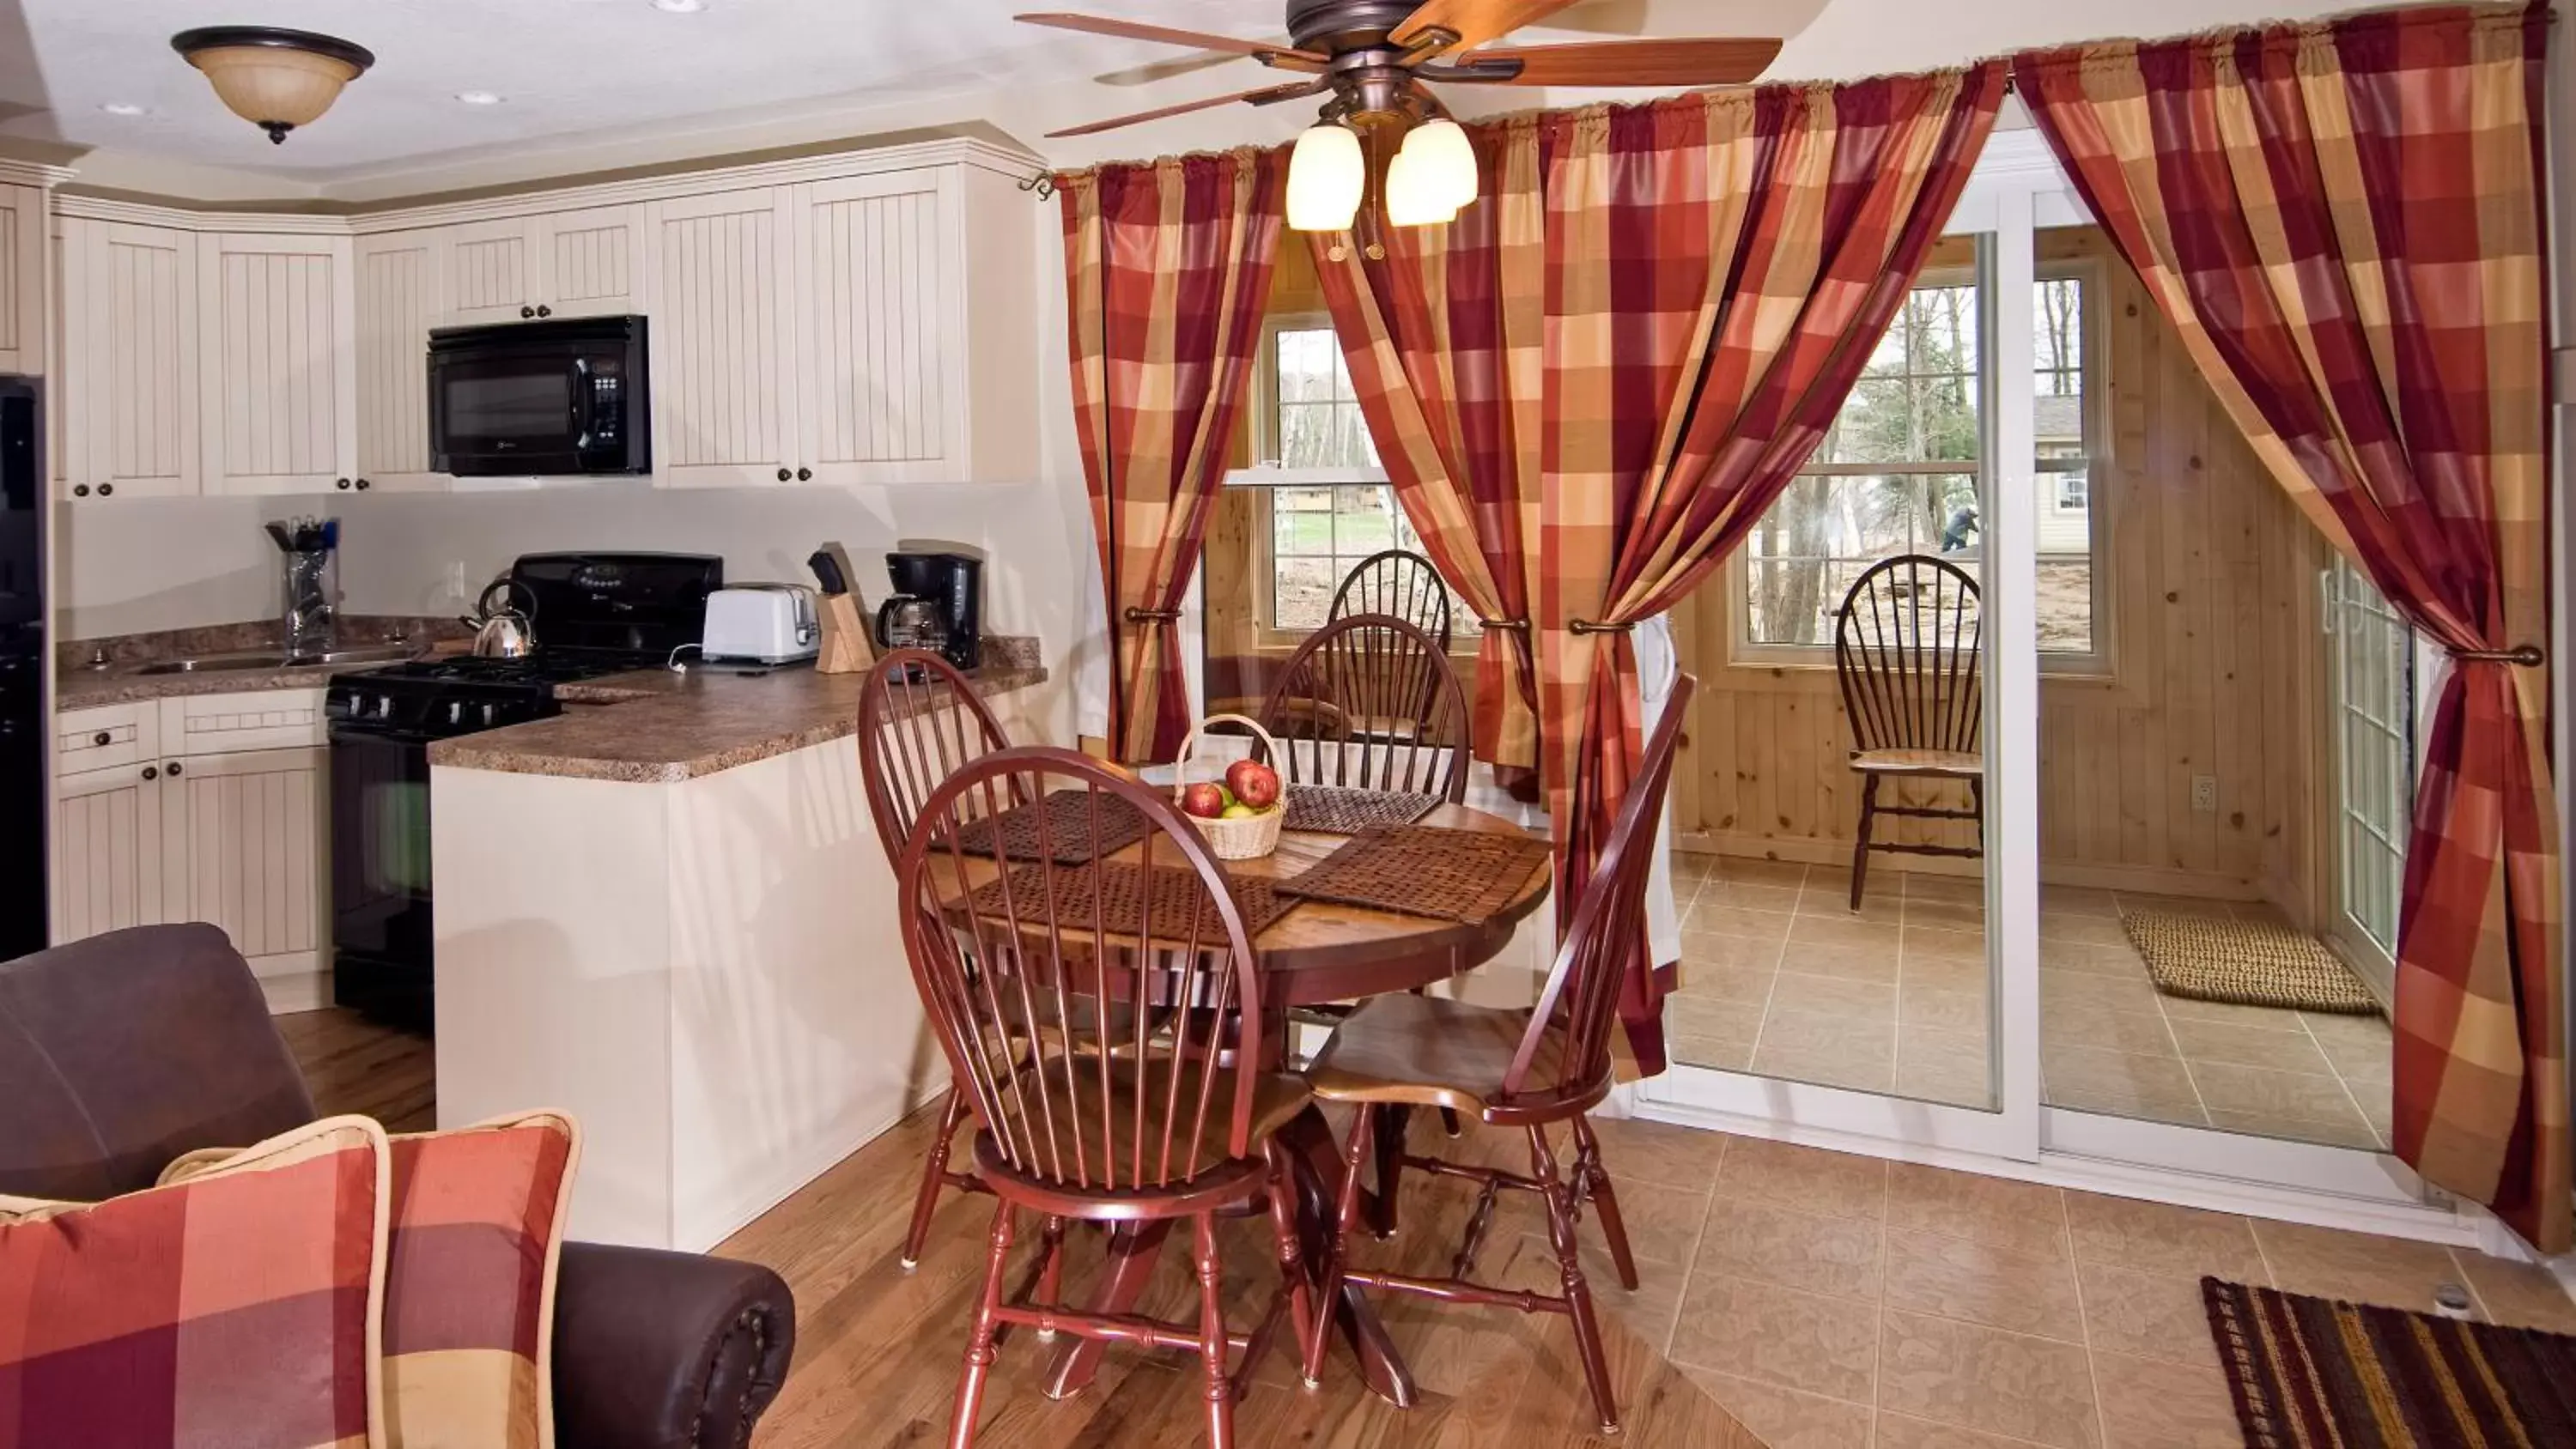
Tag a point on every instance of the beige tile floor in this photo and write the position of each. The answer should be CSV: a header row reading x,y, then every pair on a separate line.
x,y
1780,977
1834,1300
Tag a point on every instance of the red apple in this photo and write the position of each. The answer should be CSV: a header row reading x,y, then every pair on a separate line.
x,y
1205,801
1253,783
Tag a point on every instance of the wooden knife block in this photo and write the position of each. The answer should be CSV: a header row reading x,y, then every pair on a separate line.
x,y
847,647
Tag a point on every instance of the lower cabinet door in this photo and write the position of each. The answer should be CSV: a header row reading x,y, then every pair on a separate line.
x,y
110,851
250,832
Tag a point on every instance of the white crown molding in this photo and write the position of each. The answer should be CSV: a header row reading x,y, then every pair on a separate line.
x,y
181,217
33,173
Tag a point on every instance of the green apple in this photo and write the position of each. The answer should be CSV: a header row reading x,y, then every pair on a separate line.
x,y
1238,811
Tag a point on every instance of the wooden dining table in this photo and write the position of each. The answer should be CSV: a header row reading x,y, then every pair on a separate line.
x,y
1319,952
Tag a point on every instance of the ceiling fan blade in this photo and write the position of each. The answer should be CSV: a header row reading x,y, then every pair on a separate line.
x,y
1473,21
1260,96
1181,65
1629,63
1164,34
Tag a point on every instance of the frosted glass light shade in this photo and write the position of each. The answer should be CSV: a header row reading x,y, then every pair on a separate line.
x,y
1444,160
274,79
1413,194
1326,177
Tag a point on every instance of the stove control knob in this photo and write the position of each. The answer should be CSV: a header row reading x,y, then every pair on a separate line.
x,y
456,711
384,706
488,712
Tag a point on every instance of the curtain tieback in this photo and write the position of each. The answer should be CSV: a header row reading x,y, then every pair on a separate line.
x,y
1587,626
1152,616
1518,626
2526,655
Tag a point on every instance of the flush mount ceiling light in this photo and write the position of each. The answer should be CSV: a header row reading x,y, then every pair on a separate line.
x,y
680,7
478,98
275,79
121,108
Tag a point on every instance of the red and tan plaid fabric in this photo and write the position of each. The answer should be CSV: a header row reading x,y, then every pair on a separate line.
x,y
236,1308
2344,223
476,1228
1441,332
1167,273
1717,268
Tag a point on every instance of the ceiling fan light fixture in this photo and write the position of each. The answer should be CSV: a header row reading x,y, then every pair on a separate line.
x,y
1444,161
275,79
1327,176
1414,196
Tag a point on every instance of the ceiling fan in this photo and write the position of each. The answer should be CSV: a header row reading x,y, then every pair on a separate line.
x,y
1374,57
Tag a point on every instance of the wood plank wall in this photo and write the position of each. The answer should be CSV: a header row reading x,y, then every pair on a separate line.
x,y
2217,669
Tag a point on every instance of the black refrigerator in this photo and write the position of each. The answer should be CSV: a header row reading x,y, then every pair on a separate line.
x,y
23,666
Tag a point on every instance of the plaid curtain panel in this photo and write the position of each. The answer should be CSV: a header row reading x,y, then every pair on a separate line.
x,y
2344,223
1167,274
239,1307
1441,332
1718,267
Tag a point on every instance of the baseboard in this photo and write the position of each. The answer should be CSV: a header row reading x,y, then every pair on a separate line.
x,y
790,1176
299,991
1809,850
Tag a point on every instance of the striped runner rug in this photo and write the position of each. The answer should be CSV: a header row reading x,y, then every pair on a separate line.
x,y
2311,1373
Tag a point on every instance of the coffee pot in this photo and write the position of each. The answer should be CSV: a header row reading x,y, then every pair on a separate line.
x,y
906,621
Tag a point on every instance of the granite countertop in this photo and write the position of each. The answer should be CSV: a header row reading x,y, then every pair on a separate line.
x,y
79,684
653,726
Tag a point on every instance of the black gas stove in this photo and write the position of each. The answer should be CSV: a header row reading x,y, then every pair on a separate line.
x,y
592,614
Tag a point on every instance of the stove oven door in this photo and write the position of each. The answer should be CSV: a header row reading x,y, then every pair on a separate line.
x,y
380,930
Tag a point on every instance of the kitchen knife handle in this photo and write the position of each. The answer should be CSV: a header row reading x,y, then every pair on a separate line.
x,y
827,572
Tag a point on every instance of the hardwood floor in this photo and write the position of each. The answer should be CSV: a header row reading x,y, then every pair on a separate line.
x,y
877,1348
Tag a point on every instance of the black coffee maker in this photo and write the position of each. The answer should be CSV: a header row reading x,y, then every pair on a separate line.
x,y
937,604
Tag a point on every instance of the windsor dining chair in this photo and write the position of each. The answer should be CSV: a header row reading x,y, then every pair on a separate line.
x,y
1400,582
1908,645
1369,702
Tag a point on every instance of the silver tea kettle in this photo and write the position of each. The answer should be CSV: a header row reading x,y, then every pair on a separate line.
x,y
500,631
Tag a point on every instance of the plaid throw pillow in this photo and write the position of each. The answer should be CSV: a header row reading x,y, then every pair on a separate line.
x,y
477,1227
239,1307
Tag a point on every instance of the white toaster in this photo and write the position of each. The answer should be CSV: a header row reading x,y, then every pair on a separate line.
x,y
761,623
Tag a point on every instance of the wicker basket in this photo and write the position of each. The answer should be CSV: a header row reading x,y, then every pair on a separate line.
x,y
1244,838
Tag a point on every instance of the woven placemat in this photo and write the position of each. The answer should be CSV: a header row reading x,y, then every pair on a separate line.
x,y
1068,820
2250,963
1425,870
1120,886
1342,810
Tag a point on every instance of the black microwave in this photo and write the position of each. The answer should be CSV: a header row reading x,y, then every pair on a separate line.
x,y
529,398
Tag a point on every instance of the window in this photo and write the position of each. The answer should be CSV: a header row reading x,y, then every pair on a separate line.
x,y
1327,501
1898,472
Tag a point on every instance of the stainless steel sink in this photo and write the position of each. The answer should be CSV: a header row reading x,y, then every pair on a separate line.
x,y
277,659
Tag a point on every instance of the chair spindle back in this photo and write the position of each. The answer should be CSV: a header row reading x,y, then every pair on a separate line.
x,y
1077,1094
1908,648
1399,582
920,719
1370,702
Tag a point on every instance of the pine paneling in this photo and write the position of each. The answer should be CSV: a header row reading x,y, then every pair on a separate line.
x,y
278,395
719,361
2208,593
398,302
876,355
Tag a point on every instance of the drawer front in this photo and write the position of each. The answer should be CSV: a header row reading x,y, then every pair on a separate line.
x,y
265,719
103,737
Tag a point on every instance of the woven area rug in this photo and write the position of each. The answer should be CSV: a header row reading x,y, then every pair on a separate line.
x,y
2250,963
2312,1372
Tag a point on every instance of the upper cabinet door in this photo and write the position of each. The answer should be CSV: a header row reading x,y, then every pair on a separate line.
x,y
491,271
723,397
399,298
22,279
278,363
130,360
879,265
593,262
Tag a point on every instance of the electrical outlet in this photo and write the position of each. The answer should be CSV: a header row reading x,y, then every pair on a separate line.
x,y
2204,794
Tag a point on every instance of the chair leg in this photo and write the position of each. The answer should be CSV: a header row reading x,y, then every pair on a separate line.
x,y
1293,1281
979,1344
1860,846
1594,1182
1392,1120
1449,1122
1050,1286
1212,1340
1346,1219
934,1176
1561,1209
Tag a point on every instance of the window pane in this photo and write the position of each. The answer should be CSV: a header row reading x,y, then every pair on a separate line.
x,y
1302,590
1308,359
1917,400
1301,522
1826,530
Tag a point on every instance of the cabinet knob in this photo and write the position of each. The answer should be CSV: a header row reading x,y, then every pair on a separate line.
x,y
362,485
344,483
80,490
105,489
150,773
545,311
804,474
783,475
172,769
527,311
99,739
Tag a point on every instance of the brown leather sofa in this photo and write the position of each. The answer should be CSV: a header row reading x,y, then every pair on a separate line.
x,y
122,1051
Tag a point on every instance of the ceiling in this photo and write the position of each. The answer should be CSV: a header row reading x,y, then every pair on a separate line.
x,y
570,69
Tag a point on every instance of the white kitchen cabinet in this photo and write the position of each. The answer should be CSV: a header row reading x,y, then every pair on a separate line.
x,y
724,398
401,293
201,808
23,229
580,263
276,372
130,350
